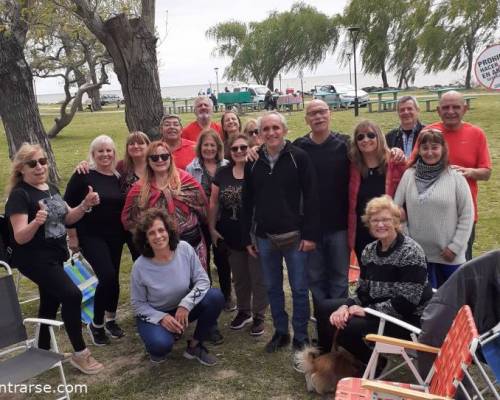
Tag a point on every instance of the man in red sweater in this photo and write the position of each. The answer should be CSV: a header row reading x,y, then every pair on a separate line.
x,y
468,147
182,149
203,109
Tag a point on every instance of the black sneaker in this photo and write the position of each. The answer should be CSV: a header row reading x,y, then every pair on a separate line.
x,y
240,320
113,329
216,337
201,353
258,327
278,341
98,335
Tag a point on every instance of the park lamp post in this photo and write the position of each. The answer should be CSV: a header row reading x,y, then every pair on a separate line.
x,y
349,61
301,76
216,69
279,75
354,32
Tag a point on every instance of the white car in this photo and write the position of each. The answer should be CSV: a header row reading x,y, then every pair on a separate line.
x,y
343,91
258,92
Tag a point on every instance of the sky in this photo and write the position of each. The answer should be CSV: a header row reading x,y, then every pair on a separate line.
x,y
184,52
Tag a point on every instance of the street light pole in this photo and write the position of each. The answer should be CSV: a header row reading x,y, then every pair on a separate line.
x,y
349,61
279,75
354,32
301,76
217,79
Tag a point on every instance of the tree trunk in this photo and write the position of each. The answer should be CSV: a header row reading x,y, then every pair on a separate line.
x,y
468,73
18,106
384,77
270,83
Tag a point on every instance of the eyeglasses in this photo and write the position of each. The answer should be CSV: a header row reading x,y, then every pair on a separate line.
x,y
321,111
383,221
253,132
235,149
361,136
156,157
32,163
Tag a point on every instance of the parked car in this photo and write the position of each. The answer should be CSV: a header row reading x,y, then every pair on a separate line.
x,y
111,99
345,92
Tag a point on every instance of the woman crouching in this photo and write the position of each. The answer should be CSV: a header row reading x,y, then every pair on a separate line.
x,y
394,281
169,289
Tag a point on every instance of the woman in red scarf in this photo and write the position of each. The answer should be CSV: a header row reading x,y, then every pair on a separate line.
x,y
165,186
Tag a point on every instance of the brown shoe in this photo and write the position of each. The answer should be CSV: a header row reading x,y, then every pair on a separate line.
x,y
86,363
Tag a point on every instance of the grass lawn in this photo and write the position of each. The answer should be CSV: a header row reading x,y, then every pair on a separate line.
x,y
244,370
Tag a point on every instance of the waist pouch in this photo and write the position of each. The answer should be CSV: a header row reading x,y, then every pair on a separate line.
x,y
192,236
284,241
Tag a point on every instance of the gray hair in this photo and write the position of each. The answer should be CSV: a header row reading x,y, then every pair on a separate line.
x,y
404,99
98,141
268,114
199,99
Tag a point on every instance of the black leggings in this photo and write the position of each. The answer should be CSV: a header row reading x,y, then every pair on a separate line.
x,y
104,255
56,288
352,336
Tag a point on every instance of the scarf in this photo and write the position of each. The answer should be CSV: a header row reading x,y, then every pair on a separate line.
x,y
426,175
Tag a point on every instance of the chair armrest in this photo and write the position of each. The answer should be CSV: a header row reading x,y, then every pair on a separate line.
x,y
399,391
407,344
50,322
393,320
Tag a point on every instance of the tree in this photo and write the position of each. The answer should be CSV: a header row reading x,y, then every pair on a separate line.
x,y
18,106
455,31
131,44
291,40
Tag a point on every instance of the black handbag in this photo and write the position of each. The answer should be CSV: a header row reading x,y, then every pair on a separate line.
x,y
284,241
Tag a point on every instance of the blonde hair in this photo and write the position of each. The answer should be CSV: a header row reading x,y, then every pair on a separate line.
x,y
210,133
173,179
383,152
99,141
133,137
23,154
378,204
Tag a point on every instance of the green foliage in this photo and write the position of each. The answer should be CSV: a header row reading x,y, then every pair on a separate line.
x,y
285,41
455,31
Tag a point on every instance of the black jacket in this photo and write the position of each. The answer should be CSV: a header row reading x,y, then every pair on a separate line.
x,y
394,137
284,198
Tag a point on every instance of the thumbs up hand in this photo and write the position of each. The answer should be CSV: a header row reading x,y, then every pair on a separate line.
x,y
91,199
41,214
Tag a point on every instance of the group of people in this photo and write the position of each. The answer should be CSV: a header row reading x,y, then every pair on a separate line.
x,y
405,203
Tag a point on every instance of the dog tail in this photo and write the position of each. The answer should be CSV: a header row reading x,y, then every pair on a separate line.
x,y
305,358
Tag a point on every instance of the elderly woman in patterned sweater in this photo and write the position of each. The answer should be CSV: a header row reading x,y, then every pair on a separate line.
x,y
394,281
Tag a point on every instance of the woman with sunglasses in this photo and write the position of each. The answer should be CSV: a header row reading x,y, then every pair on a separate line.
x,y
100,235
438,204
373,172
167,187
131,169
250,129
37,216
231,125
225,229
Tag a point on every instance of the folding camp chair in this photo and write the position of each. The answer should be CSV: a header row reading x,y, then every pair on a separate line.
x,y
446,375
32,361
489,344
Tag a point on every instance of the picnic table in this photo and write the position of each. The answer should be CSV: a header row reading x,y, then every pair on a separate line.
x,y
439,93
384,104
177,109
288,100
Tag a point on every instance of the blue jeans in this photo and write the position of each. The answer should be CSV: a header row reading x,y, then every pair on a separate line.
x,y
159,341
272,267
439,273
328,267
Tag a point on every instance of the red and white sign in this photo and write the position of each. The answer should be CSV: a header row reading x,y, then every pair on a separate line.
x,y
487,67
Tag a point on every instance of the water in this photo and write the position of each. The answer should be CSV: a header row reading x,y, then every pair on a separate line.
x,y
188,91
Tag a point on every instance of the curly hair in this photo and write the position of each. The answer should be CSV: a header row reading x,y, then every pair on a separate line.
x,y
145,223
379,204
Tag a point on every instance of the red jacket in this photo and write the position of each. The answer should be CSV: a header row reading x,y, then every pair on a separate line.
x,y
392,177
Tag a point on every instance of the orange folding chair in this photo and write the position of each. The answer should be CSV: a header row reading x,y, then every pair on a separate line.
x,y
445,376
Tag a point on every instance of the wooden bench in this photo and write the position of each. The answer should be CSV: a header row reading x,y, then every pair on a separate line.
x,y
383,105
428,102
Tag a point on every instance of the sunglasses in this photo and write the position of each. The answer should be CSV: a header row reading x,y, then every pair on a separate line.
x,y
157,157
32,163
253,132
235,149
369,135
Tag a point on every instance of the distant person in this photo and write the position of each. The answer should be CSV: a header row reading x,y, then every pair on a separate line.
x,y
268,101
213,97
405,136
468,148
169,289
226,89
203,109
438,205
182,149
